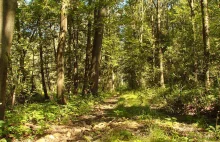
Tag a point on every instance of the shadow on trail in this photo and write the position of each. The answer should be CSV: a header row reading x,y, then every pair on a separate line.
x,y
129,112
109,119
145,112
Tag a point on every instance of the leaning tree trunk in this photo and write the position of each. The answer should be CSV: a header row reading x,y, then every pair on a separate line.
x,y
60,53
97,45
7,15
206,43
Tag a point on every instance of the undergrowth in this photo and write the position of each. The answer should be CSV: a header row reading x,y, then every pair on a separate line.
x,y
33,119
170,116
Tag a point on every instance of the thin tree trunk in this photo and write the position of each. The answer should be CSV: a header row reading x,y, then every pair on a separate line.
x,y
97,45
69,61
22,52
76,78
206,43
85,89
161,68
42,68
33,87
111,80
42,73
159,46
7,15
54,44
142,21
54,48
22,57
47,73
153,45
60,53
46,97
192,13
14,80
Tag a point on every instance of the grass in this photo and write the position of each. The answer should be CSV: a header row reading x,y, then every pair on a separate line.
x,y
147,108
148,105
35,118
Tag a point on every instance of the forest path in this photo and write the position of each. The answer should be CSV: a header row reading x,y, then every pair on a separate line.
x,y
95,126
116,118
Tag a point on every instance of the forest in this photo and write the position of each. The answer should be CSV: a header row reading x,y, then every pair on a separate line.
x,y
110,70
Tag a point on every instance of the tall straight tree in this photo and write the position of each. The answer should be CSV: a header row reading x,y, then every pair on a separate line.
x,y
192,13
60,53
206,43
99,14
46,97
7,16
88,53
158,43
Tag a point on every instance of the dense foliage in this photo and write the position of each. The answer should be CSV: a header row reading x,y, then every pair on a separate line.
x,y
67,52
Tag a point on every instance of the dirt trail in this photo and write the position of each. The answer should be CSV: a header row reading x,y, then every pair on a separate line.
x,y
94,126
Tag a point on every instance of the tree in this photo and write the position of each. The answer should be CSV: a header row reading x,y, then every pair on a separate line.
x,y
206,42
158,43
46,97
85,89
99,14
192,14
7,16
60,53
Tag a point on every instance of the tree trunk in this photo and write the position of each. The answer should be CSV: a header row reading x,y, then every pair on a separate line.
x,y
192,13
142,21
22,51
7,15
85,89
42,73
69,60
153,45
76,66
33,87
47,72
206,43
42,68
159,46
46,97
60,53
111,80
99,14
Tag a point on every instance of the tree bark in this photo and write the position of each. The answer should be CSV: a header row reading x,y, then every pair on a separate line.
x,y
153,44
60,53
76,66
99,14
206,43
22,51
85,89
192,13
47,72
33,86
42,73
158,44
142,21
7,16
46,97
69,60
